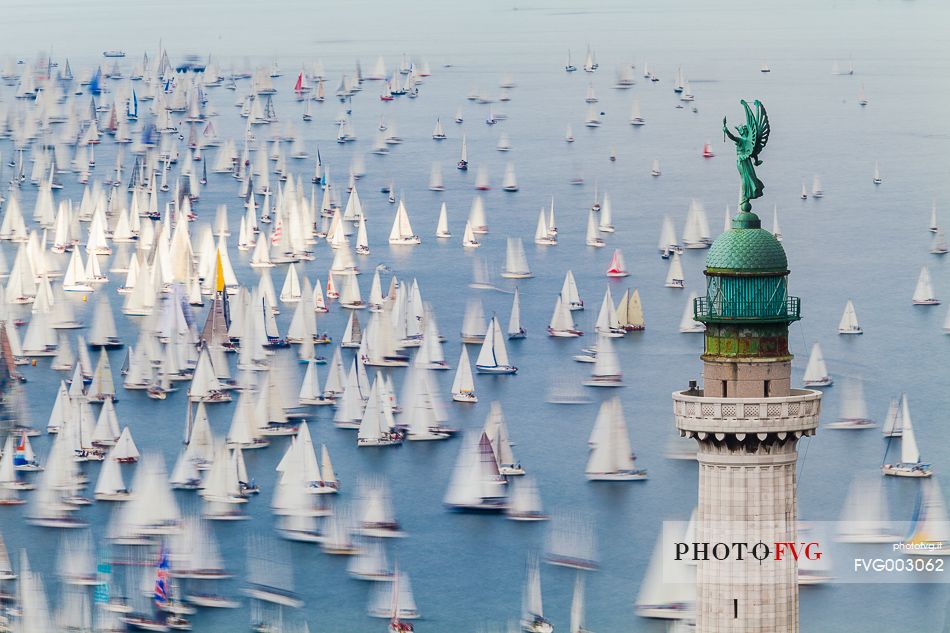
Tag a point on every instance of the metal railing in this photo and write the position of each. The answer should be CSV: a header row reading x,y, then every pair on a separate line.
x,y
746,310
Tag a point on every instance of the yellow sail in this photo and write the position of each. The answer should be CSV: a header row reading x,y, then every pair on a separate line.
x,y
219,275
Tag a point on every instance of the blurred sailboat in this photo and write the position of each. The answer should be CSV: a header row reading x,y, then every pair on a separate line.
x,y
854,410
816,372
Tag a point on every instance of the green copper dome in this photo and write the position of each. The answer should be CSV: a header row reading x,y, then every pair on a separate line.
x,y
747,247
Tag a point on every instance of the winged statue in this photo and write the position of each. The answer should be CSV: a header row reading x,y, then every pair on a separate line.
x,y
750,140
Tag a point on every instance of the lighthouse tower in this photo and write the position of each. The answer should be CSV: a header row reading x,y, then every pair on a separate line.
x,y
747,420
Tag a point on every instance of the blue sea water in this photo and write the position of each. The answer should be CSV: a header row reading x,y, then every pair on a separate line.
x,y
861,242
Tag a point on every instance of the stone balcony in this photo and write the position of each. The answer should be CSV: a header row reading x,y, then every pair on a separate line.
x,y
796,413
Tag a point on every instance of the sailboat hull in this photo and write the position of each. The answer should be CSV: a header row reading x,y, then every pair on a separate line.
x,y
821,382
604,381
629,475
496,369
907,470
852,423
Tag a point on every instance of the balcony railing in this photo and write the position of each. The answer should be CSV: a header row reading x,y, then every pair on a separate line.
x,y
797,412
725,311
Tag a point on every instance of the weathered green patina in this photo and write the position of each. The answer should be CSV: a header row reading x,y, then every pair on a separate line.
x,y
750,140
747,308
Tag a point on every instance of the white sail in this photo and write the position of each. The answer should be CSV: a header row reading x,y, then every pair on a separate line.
x,y
401,232
493,355
577,606
532,608
849,320
562,323
570,294
687,323
463,385
924,292
816,372
442,228
516,262
606,371
910,453
674,276
514,321
607,322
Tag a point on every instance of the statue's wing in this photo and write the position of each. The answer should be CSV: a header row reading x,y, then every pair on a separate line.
x,y
762,128
747,145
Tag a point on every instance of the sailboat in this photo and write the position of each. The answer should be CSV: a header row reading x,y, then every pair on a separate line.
x,y
463,160
569,293
776,231
877,175
442,228
562,323
468,236
606,370
475,484
894,419
816,372
910,464
696,232
607,322
924,292
929,534
515,329
569,66
103,332
593,238
636,118
933,218
438,133
402,605
668,589
532,609
630,311
610,456
401,232
854,410
849,321
862,97
569,135
668,243
435,178
655,168
804,193
543,236
864,515
577,606
707,150
606,216
493,357
378,427
525,501
463,385
617,267
593,118
516,262
510,181
938,246
674,276
816,190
